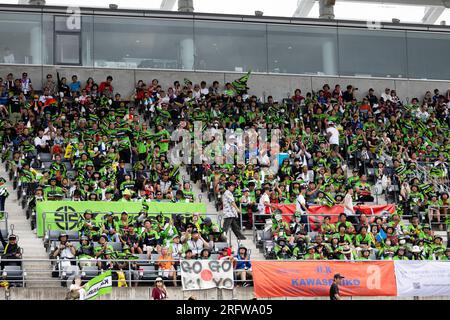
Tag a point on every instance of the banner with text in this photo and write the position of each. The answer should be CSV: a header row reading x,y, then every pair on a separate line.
x,y
206,274
422,278
100,285
317,213
65,215
314,278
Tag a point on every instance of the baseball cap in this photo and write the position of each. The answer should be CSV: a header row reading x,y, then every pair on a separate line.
x,y
207,220
338,276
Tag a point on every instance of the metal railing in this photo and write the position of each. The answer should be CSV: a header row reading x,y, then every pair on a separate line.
x,y
47,222
138,272
140,275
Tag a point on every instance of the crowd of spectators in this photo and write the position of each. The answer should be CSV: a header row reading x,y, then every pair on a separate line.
x,y
84,141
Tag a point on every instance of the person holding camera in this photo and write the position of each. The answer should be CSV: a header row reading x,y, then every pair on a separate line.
x,y
195,241
65,250
11,251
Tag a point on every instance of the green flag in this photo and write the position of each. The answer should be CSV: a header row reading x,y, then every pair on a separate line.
x,y
98,286
240,85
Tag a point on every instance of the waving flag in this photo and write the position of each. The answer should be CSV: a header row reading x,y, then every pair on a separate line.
x,y
98,286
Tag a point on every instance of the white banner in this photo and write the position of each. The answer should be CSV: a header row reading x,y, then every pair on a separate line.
x,y
422,278
206,274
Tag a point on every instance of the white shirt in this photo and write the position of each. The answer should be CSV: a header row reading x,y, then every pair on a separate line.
x,y
348,205
386,96
204,91
422,115
262,202
334,138
40,141
9,58
300,200
228,210
195,246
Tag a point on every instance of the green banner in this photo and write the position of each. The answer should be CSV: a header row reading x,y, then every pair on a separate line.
x,y
64,215
98,286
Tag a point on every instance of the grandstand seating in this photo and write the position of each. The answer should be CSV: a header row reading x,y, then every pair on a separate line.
x,y
102,142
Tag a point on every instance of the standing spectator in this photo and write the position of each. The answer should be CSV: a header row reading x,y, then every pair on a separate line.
x,y
75,86
386,95
159,291
348,95
333,136
3,195
50,85
27,87
41,142
334,289
8,56
348,205
301,206
230,212
63,87
106,87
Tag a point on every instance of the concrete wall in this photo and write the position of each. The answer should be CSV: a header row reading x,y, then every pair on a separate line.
x,y
260,84
143,293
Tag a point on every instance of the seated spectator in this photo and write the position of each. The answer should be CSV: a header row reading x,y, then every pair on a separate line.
x,y
101,250
111,228
150,239
85,252
347,254
243,266
343,236
205,254
166,267
11,251
131,239
212,231
194,241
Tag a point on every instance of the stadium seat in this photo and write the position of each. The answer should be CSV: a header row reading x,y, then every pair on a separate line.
x,y
53,235
155,256
72,235
147,273
214,256
88,273
45,157
117,246
143,259
14,275
219,246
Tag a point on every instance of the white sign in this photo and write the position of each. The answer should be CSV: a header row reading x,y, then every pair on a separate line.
x,y
206,274
422,278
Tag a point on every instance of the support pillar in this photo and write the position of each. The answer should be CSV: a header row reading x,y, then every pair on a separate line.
x,y
326,9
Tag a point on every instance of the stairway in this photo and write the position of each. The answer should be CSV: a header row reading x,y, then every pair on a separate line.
x,y
210,208
38,273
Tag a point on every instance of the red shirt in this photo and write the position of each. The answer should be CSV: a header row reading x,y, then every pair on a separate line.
x,y
159,294
105,86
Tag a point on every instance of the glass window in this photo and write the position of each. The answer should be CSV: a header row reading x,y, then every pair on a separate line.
x,y
67,49
227,46
428,55
47,39
20,38
87,41
373,53
143,43
302,49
